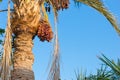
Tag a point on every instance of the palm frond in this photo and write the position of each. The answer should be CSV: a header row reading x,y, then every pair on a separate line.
x,y
54,73
103,73
98,5
111,64
118,62
44,12
54,10
6,60
80,75
5,10
1,31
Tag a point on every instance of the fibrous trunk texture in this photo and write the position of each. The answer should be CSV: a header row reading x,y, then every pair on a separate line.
x,y
24,21
23,57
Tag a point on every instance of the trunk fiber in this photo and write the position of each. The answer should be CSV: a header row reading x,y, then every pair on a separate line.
x,y
23,56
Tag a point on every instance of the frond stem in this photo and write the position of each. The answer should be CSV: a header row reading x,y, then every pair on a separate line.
x,y
6,10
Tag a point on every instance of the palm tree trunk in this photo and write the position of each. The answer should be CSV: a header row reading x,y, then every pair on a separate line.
x,y
23,56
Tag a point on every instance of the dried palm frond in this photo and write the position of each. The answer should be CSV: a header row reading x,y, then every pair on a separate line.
x,y
45,33
54,73
99,6
6,59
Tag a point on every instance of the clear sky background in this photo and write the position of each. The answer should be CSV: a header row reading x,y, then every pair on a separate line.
x,y
83,35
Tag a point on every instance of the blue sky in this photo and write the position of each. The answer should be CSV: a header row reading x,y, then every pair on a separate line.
x,y
83,35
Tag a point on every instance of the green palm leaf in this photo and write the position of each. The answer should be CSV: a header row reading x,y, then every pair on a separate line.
x,y
115,67
1,31
98,5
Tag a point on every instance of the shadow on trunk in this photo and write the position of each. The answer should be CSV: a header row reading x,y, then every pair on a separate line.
x,y
22,74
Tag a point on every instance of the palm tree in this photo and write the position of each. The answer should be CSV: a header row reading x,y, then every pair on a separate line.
x,y
29,19
26,22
